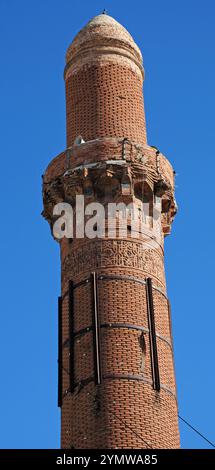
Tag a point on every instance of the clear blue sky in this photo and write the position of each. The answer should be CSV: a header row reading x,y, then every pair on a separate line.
x,y
177,41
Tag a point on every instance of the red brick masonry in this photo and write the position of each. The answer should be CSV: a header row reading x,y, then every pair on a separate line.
x,y
110,395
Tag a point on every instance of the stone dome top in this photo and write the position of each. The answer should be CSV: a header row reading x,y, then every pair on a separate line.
x,y
103,34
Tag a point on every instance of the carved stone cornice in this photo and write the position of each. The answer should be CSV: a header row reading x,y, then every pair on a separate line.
x,y
137,172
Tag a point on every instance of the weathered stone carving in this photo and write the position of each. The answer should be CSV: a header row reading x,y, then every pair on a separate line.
x,y
120,253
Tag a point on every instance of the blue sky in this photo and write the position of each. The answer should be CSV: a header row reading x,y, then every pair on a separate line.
x,y
177,41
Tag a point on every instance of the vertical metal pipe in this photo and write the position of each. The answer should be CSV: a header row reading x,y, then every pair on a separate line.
x,y
59,351
96,330
152,336
71,337
171,336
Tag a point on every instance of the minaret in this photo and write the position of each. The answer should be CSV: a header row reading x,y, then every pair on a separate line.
x,y
116,369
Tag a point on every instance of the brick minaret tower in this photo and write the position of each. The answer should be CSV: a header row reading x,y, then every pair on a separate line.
x,y
116,371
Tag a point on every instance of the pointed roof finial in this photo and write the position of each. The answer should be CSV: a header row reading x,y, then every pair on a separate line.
x,y
104,12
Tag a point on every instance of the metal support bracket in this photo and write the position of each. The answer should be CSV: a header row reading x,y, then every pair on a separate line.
x,y
152,336
96,330
71,337
59,351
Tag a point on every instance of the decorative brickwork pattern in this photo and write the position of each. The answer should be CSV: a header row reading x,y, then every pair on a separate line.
x,y
109,90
